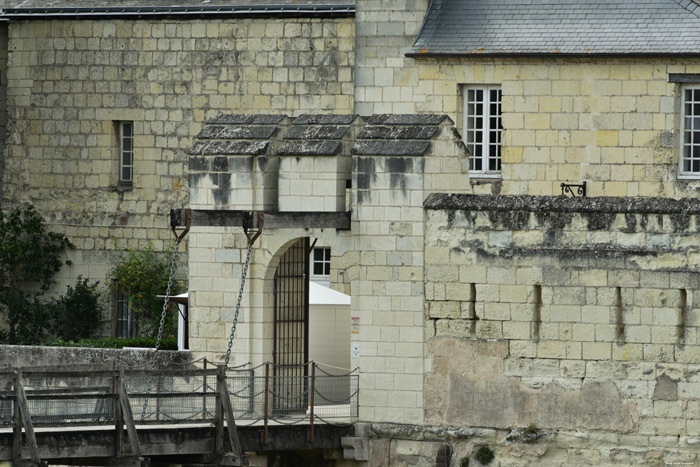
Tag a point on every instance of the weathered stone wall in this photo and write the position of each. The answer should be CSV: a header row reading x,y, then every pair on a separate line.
x,y
385,80
575,315
25,356
69,82
397,161
3,97
612,122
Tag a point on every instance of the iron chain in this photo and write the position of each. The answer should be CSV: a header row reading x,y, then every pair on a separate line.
x,y
163,315
238,303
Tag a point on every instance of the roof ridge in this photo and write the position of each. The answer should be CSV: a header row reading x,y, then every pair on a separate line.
x,y
691,5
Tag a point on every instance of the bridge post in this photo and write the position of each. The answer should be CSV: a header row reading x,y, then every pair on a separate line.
x,y
118,417
128,416
23,418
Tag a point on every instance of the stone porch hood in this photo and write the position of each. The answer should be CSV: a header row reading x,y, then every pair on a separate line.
x,y
306,165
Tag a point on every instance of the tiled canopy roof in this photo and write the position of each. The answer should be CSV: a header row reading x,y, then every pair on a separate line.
x,y
468,27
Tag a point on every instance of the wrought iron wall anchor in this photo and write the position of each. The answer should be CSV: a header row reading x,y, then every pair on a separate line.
x,y
568,189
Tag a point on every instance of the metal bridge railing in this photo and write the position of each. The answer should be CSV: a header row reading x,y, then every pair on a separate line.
x,y
257,394
262,394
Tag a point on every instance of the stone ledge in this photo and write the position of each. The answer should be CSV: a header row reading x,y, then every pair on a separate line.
x,y
529,203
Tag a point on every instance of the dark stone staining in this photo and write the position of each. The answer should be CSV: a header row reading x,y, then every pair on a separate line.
x,y
680,222
324,119
194,179
630,223
567,253
199,164
399,165
364,164
644,221
222,193
309,148
323,132
398,132
241,164
397,181
390,148
407,119
247,119
600,221
220,164
442,201
552,238
557,221
514,220
363,181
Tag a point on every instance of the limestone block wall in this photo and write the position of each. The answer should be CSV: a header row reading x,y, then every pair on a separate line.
x,y
385,80
315,163
575,315
397,161
394,162
611,122
69,83
3,96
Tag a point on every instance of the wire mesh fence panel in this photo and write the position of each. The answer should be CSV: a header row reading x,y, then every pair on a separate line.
x,y
70,397
183,396
289,397
156,398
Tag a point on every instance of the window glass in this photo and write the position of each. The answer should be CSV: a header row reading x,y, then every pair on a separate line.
x,y
482,129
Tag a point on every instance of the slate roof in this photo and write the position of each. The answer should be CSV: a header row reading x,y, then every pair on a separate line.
x,y
397,135
234,134
316,135
469,27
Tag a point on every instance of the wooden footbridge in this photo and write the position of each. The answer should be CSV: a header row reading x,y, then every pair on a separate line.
x,y
142,417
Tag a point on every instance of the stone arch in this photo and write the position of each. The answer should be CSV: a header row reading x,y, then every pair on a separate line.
x,y
273,245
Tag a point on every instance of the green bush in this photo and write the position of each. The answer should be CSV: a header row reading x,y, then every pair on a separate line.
x,y
114,343
30,255
76,314
142,276
484,455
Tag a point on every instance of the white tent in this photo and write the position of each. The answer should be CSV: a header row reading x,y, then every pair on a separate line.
x,y
329,327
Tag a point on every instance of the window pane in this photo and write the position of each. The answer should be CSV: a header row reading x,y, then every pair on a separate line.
x,y
127,129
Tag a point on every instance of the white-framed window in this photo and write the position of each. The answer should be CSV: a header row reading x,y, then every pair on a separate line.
x,y
482,129
689,163
126,153
321,265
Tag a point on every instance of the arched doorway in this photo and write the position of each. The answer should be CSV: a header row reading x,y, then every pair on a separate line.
x,y
290,351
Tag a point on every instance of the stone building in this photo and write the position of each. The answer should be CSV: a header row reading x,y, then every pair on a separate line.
x,y
426,146
103,102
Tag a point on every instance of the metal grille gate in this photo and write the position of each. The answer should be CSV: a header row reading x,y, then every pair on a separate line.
x,y
291,330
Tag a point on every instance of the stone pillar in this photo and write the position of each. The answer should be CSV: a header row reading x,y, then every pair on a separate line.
x,y
384,78
395,166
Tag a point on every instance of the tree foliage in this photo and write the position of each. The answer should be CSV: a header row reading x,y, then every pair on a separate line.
x,y
142,276
30,255
76,315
